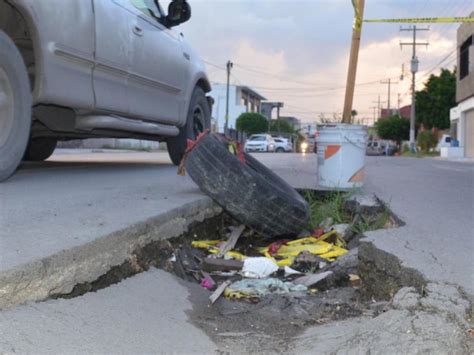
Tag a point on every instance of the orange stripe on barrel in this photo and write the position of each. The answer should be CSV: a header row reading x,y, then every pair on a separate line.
x,y
358,176
331,150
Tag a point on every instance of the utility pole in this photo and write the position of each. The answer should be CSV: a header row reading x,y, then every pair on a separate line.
x,y
374,108
398,102
389,82
353,59
414,69
226,127
379,106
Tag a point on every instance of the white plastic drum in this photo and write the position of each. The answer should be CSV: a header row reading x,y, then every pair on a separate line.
x,y
341,155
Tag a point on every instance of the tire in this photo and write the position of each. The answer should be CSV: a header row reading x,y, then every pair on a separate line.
x,y
280,150
15,107
196,123
40,149
249,191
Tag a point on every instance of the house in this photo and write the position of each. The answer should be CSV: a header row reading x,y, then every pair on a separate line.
x,y
402,112
462,116
241,99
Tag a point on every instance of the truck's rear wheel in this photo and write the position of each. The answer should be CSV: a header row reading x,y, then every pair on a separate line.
x,y
40,149
15,107
198,120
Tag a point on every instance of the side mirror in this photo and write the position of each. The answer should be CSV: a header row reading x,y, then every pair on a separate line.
x,y
179,12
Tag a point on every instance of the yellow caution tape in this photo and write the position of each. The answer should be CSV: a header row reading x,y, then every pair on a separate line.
x,y
425,20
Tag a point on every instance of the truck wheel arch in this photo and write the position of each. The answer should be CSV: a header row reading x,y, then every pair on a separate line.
x,y
27,26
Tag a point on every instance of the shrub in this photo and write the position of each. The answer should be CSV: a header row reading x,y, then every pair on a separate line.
x,y
252,123
426,140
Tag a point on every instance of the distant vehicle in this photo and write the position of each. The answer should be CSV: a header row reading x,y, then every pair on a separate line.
x,y
380,147
445,141
73,69
282,145
260,143
304,147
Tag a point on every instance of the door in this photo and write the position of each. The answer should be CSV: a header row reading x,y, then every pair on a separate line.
x,y
112,22
157,68
469,135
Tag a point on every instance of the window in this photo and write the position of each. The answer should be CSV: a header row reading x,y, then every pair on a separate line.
x,y
148,7
464,60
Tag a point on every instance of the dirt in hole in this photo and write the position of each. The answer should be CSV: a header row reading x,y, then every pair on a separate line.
x,y
280,316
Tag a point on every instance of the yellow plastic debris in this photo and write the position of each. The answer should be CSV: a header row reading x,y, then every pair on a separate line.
x,y
205,244
286,254
211,246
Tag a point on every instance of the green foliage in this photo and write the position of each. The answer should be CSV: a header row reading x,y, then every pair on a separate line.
x,y
406,148
281,126
393,128
436,99
252,123
426,140
331,205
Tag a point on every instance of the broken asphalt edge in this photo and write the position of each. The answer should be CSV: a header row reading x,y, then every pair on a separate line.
x,y
60,272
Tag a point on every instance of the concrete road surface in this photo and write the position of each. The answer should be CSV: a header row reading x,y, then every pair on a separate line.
x,y
72,199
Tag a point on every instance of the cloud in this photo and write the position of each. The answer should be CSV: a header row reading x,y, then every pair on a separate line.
x,y
297,51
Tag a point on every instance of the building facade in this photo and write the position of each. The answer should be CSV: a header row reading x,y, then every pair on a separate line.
x,y
241,99
462,116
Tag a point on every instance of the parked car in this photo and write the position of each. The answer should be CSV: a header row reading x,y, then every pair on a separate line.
x,y
375,148
282,145
381,147
260,143
74,69
445,141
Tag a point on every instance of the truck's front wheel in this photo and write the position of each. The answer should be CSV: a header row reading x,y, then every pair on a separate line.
x,y
198,120
15,107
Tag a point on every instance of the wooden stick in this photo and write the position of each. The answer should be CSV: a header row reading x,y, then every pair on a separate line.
x,y
230,244
219,291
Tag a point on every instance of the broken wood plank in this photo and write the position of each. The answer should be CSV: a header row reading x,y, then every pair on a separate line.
x,y
219,291
212,264
313,279
230,243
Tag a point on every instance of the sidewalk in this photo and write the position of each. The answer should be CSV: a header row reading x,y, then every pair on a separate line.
x,y
435,199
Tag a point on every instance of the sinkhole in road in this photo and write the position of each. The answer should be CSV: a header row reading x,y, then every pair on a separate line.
x,y
360,282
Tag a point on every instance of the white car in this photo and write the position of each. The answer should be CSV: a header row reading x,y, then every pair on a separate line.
x,y
260,143
282,145
445,141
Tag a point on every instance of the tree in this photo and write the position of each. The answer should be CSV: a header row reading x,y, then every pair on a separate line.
x,y
354,113
393,128
281,126
434,102
252,123
426,140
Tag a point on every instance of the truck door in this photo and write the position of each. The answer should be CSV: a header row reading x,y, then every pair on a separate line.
x,y
157,68
112,52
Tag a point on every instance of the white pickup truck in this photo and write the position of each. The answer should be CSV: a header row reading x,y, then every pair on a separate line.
x,y
74,69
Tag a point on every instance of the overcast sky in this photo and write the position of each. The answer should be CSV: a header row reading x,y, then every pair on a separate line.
x,y
296,51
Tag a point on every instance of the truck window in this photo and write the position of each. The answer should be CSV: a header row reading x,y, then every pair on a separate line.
x,y
148,8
